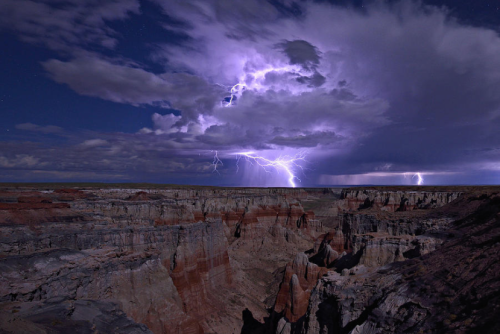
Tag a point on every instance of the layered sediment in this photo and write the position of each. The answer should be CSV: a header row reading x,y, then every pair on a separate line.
x,y
454,289
248,260
162,256
389,270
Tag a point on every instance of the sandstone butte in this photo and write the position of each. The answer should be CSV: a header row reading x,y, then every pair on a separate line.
x,y
249,260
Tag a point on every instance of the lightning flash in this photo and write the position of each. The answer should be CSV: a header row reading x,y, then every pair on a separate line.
x,y
255,80
216,162
282,163
420,179
236,90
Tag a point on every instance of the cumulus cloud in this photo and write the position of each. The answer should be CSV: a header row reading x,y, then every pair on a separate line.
x,y
404,84
301,52
324,138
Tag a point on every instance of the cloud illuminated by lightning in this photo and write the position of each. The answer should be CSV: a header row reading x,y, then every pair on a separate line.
x,y
418,175
282,163
255,80
235,92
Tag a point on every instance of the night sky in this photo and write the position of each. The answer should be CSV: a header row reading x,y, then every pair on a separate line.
x,y
208,91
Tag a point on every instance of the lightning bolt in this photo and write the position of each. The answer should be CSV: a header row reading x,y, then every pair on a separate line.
x,y
420,179
235,91
285,162
216,162
254,80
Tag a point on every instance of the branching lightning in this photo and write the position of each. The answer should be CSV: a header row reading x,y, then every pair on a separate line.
x,y
254,80
216,162
285,162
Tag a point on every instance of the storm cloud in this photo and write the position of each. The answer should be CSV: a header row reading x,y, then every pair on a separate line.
x,y
370,95
301,52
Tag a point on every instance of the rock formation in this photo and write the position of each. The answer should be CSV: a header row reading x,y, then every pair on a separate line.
x,y
247,260
409,273
452,290
299,280
391,201
163,256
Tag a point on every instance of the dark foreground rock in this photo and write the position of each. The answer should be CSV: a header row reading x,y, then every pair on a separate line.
x,y
67,317
454,289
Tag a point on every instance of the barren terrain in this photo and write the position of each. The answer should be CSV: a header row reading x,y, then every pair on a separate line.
x,y
99,258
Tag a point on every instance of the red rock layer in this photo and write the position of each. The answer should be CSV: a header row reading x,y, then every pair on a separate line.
x,y
255,220
299,280
199,267
245,222
192,246
69,195
33,199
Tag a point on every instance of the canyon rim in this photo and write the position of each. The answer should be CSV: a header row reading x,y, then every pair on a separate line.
x,y
167,259
249,166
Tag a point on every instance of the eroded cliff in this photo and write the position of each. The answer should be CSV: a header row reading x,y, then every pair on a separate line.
x,y
247,260
175,260
389,270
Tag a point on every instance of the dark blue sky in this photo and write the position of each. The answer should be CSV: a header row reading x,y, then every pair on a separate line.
x,y
50,103
136,91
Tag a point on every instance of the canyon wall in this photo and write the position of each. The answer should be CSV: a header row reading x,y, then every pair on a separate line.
x,y
391,201
387,269
452,290
245,260
162,256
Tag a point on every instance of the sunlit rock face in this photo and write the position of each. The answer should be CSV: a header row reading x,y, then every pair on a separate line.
x,y
246,260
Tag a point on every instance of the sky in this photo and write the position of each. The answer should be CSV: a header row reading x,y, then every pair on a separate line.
x,y
250,92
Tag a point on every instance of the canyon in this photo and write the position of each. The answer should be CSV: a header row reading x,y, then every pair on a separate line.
x,y
187,259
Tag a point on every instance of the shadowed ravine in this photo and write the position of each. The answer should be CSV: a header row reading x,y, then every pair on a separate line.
x,y
249,260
